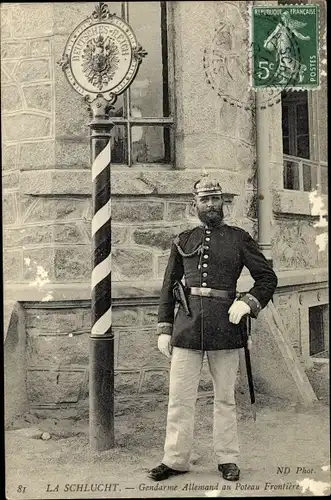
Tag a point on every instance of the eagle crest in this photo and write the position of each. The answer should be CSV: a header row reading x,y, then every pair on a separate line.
x,y
100,60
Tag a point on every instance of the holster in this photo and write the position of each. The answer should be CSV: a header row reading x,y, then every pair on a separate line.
x,y
179,294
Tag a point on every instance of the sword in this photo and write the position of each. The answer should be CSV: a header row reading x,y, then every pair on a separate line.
x,y
249,366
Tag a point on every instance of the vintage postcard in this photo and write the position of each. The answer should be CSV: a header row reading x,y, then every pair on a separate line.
x,y
165,249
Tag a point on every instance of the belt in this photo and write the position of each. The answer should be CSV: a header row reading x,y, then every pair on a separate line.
x,y
211,292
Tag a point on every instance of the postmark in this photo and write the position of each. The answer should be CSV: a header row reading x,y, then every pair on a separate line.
x,y
274,63
285,47
227,68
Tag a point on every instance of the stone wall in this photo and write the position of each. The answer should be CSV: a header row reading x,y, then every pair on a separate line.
x,y
57,350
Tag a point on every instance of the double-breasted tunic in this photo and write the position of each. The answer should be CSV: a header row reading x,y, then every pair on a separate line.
x,y
212,258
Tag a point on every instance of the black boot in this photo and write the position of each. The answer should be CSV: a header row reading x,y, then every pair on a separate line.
x,y
230,472
162,472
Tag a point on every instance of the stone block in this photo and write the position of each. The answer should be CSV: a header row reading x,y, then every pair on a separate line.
x,y
9,208
5,78
52,209
34,155
58,350
12,266
62,182
53,386
32,70
133,211
28,236
13,50
40,47
68,233
9,157
162,262
176,182
246,125
122,316
32,20
69,14
38,266
71,117
138,348
71,153
126,382
161,238
133,264
26,126
52,322
72,263
245,156
10,180
86,229
149,316
11,99
38,96
119,234
86,318
176,210
155,381
226,119
5,23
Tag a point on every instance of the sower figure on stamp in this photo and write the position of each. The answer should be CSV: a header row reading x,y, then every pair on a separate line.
x,y
209,319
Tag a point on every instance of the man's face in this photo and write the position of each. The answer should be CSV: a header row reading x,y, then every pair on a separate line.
x,y
210,209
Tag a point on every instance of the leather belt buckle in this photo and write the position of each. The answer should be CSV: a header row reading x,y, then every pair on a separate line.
x,y
205,292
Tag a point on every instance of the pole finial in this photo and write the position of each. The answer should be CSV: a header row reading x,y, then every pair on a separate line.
x,y
101,12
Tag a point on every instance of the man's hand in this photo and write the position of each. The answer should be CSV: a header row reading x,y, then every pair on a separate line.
x,y
237,310
163,344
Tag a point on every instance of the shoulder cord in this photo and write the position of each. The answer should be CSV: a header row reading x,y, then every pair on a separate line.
x,y
183,254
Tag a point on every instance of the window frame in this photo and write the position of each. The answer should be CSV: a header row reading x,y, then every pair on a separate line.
x,y
166,122
313,159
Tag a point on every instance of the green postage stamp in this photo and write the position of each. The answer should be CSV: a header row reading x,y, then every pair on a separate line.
x,y
285,46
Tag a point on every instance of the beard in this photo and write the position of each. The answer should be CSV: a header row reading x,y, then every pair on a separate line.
x,y
211,217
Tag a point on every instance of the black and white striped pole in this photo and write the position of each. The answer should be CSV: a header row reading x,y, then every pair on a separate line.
x,y
100,60
101,345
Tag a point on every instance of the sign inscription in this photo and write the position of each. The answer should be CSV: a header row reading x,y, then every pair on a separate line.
x,y
102,55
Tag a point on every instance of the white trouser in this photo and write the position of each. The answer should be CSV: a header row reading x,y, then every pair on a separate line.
x,y
185,373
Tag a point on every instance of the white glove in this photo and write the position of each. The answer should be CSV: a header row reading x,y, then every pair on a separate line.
x,y
237,310
163,344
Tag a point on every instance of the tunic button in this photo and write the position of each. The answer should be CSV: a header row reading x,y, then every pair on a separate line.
x,y
207,232
206,248
205,265
205,257
204,275
207,239
203,284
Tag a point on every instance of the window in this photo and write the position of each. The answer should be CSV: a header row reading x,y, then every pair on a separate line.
x,y
300,172
143,115
318,331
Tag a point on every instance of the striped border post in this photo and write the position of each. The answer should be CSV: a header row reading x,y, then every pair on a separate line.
x,y
101,380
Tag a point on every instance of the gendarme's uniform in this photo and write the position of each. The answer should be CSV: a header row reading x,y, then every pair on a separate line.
x,y
212,258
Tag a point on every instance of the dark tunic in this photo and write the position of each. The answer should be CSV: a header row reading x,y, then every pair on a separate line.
x,y
213,258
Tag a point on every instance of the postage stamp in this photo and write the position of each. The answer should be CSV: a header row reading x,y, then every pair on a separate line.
x,y
285,47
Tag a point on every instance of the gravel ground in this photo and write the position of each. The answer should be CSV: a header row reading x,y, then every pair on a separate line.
x,y
64,466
